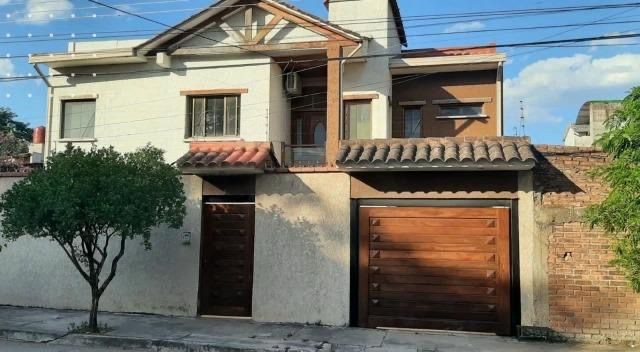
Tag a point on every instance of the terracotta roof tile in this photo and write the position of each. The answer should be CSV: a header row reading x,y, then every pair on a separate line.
x,y
453,153
226,155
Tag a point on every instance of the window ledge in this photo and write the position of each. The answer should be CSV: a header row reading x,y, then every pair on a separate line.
x,y
213,139
462,117
76,140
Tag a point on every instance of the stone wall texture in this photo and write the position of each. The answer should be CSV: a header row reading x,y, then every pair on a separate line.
x,y
589,300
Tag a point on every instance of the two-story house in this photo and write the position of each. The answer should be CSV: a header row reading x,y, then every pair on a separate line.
x,y
332,176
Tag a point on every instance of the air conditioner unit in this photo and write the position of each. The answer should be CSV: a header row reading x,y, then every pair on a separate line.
x,y
293,83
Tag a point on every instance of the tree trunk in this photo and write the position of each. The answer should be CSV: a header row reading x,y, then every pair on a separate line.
x,y
93,314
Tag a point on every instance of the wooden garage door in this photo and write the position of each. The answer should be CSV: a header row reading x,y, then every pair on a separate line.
x,y
435,268
226,260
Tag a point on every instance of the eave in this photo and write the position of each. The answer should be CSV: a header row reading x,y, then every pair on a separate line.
x,y
402,66
103,57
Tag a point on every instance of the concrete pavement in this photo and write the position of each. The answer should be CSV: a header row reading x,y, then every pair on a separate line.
x,y
10,346
158,333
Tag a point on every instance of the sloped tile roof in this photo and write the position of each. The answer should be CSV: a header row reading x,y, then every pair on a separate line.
x,y
216,157
491,153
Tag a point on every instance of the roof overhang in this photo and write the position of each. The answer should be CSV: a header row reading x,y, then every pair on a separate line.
x,y
226,158
440,167
478,62
437,154
102,57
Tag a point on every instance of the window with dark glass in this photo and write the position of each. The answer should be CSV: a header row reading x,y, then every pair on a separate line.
x,y
214,116
357,119
78,118
462,110
412,122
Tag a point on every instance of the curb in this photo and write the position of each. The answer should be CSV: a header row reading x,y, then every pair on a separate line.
x,y
29,336
221,344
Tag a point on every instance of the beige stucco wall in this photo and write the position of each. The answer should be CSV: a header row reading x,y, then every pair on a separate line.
x,y
572,139
533,252
146,108
302,256
164,280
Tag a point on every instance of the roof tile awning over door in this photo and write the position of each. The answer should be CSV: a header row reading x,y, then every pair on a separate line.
x,y
208,158
438,154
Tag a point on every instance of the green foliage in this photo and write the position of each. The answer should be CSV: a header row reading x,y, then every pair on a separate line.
x,y
619,213
11,145
93,193
9,125
86,200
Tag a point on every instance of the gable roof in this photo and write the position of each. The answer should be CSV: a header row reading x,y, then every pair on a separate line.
x,y
202,19
402,35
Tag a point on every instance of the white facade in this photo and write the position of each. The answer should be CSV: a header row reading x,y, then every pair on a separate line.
x,y
373,75
150,109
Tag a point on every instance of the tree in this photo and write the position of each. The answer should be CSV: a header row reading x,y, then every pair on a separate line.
x,y
11,145
9,125
619,213
92,202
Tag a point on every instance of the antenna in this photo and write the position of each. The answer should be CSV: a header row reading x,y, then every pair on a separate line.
x,y
515,131
522,120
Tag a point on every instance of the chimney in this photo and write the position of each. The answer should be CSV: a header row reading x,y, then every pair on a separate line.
x,y
375,19
36,148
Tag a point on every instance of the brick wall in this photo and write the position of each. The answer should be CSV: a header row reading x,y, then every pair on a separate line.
x,y
589,300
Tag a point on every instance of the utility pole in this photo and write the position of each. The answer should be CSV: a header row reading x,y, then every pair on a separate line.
x,y
522,124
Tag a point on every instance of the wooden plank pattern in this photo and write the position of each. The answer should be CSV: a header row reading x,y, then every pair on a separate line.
x,y
226,267
435,268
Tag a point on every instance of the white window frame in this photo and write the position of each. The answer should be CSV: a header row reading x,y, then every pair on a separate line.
x,y
225,135
71,99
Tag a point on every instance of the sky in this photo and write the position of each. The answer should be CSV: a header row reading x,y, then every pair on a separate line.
x,y
552,82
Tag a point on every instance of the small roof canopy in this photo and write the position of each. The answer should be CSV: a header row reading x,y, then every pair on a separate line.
x,y
226,158
437,154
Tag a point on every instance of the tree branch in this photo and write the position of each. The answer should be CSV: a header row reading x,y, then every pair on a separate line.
x,y
114,265
73,259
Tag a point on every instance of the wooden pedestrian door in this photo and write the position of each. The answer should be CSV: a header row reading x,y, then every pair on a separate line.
x,y
435,268
226,260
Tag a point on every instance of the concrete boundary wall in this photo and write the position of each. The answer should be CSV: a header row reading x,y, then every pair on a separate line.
x,y
302,249
36,272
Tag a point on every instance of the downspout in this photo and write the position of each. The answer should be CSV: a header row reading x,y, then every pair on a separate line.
x,y
342,64
49,125
499,99
49,112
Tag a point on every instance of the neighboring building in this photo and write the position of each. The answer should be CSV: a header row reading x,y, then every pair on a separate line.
x,y
331,176
589,124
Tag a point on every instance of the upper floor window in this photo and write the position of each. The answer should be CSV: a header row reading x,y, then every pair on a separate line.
x,y
214,116
461,110
357,119
78,118
412,121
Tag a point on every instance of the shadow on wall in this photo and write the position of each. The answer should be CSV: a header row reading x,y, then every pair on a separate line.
x,y
302,262
294,187
549,179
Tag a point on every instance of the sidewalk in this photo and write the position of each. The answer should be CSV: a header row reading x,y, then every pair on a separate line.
x,y
159,333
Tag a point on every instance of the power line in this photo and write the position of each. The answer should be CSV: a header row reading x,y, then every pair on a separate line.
x,y
467,16
166,25
78,36
511,45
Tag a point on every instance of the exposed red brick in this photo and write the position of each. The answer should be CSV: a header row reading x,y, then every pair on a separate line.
x,y
589,300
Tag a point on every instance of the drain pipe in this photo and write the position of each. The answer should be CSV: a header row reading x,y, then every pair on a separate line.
x,y
49,126
342,64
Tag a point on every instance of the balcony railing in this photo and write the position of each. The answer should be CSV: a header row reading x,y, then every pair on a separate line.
x,y
300,155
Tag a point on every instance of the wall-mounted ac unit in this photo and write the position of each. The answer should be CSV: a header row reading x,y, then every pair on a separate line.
x,y
293,83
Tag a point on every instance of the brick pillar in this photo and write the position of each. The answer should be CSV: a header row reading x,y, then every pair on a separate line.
x,y
334,92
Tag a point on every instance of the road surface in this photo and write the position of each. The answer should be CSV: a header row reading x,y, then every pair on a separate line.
x,y
8,346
